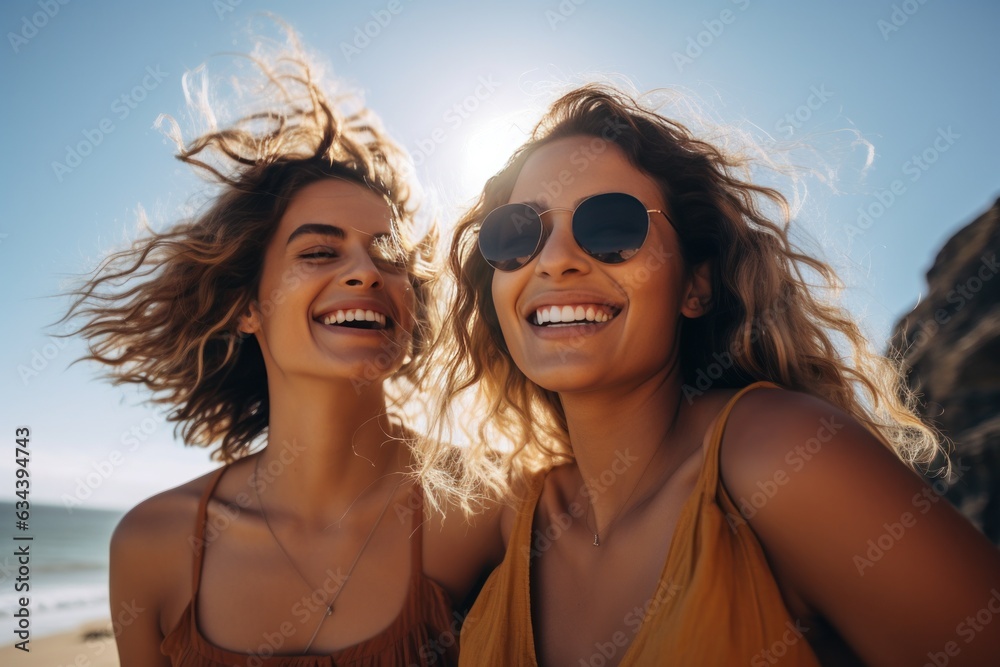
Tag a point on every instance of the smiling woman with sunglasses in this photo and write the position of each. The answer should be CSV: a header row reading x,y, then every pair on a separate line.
x,y
615,262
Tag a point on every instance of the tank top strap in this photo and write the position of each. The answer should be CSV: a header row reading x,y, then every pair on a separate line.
x,y
520,532
201,521
710,475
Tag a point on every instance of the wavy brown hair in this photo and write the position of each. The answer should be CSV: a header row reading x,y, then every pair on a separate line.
x,y
766,321
164,313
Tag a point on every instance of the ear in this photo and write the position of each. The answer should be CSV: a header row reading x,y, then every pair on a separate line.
x,y
249,323
698,293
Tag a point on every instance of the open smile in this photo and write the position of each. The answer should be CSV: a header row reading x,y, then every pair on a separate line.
x,y
577,314
356,318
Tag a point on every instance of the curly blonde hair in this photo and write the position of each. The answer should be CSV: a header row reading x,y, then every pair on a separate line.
x,y
164,313
765,321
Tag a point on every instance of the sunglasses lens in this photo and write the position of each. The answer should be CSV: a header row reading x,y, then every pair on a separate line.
x,y
611,227
509,236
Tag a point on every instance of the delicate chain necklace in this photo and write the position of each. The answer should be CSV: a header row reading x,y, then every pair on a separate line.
x,y
305,580
590,502
590,505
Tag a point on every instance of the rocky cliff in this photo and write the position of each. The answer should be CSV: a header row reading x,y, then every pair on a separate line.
x,y
951,347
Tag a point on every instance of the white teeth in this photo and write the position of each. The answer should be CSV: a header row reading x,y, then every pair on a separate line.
x,y
354,315
571,314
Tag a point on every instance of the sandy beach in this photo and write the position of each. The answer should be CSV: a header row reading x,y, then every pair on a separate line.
x,y
90,645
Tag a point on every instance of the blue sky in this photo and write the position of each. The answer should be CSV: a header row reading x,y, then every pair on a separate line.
x,y
456,83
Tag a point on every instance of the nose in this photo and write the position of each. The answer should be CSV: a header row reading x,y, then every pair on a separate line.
x,y
361,271
560,253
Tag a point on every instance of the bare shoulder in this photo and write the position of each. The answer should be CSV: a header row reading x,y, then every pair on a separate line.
x,y
860,537
776,427
460,547
152,549
156,523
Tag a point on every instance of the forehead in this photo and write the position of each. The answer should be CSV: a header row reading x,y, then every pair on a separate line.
x,y
565,171
352,207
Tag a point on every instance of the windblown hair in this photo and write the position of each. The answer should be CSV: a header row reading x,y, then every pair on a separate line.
x,y
164,313
764,315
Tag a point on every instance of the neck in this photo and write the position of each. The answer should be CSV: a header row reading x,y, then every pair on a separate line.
x,y
329,443
621,459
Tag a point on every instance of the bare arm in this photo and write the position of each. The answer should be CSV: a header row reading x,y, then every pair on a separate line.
x,y
150,574
902,576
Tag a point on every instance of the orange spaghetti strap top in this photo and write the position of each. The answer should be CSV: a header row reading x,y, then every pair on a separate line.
x,y
424,632
716,603
201,521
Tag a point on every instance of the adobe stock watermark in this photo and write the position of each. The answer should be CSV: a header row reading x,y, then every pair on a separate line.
x,y
963,293
103,469
895,531
796,459
99,643
453,118
559,523
794,120
914,168
365,34
899,17
303,610
581,159
561,13
41,358
121,108
704,39
654,260
605,652
705,377
30,25
224,7
220,521
379,368
968,629
436,648
779,648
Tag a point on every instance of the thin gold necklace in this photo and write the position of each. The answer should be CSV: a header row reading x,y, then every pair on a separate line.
x,y
590,502
305,580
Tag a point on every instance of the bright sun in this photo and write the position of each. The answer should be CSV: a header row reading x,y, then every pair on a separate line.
x,y
487,147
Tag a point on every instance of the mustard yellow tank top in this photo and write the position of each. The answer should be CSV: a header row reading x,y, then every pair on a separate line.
x,y
716,605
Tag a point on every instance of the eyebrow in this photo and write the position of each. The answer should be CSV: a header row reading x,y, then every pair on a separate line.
x,y
316,228
539,207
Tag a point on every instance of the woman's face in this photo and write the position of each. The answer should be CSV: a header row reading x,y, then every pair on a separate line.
x,y
630,311
334,296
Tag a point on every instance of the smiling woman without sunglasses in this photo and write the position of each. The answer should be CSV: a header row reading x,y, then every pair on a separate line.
x,y
290,312
614,261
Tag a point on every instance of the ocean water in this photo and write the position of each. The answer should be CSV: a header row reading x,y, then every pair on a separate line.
x,y
69,567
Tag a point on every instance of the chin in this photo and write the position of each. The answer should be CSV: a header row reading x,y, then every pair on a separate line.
x,y
563,380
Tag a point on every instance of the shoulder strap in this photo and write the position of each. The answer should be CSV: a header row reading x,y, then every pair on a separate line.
x,y
520,532
200,522
711,476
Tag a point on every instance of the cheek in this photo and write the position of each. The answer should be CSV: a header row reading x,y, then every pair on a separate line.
x,y
504,299
404,295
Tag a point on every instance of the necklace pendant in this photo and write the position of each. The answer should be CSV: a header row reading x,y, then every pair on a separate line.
x,y
597,540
